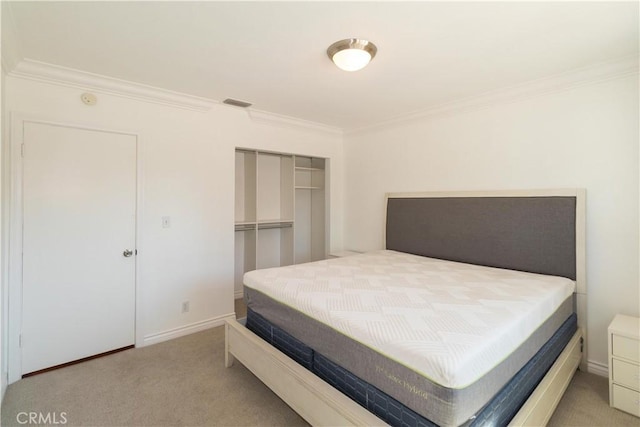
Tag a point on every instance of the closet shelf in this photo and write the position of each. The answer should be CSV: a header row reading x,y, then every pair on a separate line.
x,y
263,224
304,168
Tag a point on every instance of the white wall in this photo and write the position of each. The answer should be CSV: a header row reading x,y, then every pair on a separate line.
x,y
4,245
585,137
188,174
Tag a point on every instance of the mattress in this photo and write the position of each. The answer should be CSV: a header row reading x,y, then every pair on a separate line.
x,y
439,336
499,411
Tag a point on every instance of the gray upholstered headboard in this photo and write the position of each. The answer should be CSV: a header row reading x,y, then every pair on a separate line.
x,y
528,231
540,231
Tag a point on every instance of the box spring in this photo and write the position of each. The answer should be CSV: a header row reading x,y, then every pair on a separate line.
x,y
498,411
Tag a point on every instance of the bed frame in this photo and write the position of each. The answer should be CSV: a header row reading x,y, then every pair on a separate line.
x,y
543,220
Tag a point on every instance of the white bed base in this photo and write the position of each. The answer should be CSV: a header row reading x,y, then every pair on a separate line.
x,y
322,405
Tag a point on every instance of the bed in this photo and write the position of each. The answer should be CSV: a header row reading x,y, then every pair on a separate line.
x,y
525,248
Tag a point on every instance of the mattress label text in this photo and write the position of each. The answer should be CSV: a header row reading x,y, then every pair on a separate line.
x,y
412,388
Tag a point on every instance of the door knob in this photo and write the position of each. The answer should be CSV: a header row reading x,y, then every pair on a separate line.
x,y
127,253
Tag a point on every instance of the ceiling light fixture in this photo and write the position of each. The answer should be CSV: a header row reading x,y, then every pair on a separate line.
x,y
352,54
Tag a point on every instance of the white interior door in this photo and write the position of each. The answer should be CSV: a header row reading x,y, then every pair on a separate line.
x,y
79,195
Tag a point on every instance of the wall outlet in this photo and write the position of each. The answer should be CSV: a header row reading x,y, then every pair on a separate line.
x,y
185,307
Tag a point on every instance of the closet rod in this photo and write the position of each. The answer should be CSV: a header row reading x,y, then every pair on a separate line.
x,y
276,225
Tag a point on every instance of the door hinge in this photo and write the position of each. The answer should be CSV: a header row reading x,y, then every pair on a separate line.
x,y
22,150
20,341
136,252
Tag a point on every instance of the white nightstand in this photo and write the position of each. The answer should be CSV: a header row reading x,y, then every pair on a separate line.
x,y
624,364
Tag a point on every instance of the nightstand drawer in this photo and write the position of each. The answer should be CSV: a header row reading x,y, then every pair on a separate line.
x,y
626,374
626,347
626,400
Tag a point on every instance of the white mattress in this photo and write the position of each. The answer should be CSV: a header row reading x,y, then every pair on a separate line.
x,y
450,322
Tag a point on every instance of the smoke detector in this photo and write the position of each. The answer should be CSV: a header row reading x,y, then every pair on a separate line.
x,y
88,98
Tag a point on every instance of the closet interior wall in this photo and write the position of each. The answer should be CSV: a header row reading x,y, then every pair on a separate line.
x,y
280,209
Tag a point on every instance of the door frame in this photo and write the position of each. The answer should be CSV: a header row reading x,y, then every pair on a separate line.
x,y
16,234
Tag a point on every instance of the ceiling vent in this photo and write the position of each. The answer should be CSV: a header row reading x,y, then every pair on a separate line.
x,y
236,103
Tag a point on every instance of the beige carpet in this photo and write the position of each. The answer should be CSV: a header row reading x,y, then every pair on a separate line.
x,y
184,382
176,383
586,403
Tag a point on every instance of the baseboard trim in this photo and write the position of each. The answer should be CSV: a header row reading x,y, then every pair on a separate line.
x,y
186,330
598,368
5,381
238,295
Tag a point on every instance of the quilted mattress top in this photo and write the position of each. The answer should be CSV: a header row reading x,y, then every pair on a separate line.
x,y
450,322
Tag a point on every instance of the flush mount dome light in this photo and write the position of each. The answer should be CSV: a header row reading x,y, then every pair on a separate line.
x,y
352,54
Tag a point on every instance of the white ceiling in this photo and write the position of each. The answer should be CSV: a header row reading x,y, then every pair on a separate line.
x,y
273,54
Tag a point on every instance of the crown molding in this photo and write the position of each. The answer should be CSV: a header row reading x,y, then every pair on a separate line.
x,y
44,72
292,122
622,67
41,71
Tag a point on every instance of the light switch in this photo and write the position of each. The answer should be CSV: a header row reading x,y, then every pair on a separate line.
x,y
166,222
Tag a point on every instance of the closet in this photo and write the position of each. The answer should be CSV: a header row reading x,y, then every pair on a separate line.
x,y
280,203
309,209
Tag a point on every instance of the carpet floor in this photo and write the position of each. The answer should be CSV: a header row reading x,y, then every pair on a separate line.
x,y
183,382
